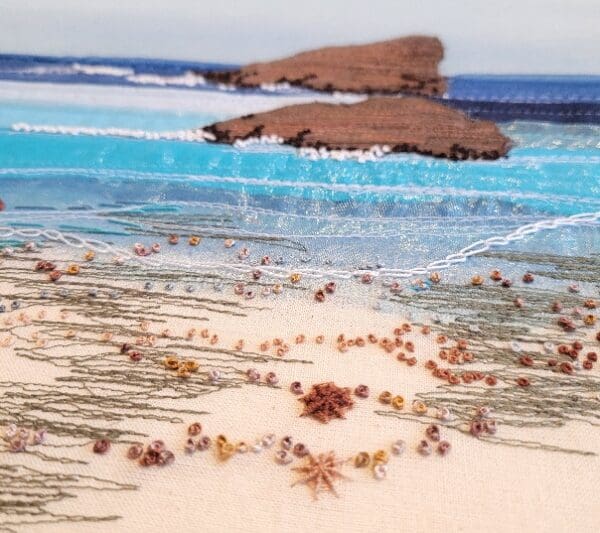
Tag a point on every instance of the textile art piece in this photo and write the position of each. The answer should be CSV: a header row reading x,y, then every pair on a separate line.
x,y
336,291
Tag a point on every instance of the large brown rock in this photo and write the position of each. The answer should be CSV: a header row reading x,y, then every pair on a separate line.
x,y
404,65
407,124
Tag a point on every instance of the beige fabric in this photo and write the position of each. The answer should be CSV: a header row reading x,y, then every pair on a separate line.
x,y
478,487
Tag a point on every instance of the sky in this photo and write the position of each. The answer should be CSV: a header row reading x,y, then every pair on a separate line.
x,y
480,36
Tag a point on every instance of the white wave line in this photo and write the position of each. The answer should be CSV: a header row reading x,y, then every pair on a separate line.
x,y
102,70
69,239
188,79
196,135
450,260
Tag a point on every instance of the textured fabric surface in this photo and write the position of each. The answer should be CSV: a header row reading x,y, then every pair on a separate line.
x,y
92,177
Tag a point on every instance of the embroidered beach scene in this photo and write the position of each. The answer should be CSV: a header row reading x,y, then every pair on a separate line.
x,y
337,290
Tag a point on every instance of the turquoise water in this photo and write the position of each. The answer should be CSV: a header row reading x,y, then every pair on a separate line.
x,y
365,212
549,180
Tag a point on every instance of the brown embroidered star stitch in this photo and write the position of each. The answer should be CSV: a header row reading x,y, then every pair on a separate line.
x,y
321,472
326,401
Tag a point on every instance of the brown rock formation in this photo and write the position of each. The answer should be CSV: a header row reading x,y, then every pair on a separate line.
x,y
404,124
404,65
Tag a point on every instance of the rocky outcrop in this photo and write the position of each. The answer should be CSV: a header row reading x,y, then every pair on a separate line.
x,y
407,124
404,65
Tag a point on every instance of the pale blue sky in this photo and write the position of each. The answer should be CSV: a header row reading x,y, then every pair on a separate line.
x,y
526,36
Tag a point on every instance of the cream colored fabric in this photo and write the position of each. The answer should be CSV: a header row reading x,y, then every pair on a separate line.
x,y
478,487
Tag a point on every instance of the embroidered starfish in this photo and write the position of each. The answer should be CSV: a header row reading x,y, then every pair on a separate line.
x,y
326,401
321,472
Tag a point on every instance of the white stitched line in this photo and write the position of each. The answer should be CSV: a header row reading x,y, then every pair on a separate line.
x,y
461,256
197,135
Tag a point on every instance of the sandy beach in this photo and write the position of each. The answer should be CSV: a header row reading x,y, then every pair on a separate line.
x,y
324,269
62,368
